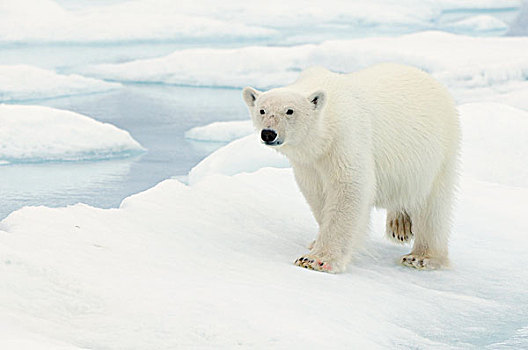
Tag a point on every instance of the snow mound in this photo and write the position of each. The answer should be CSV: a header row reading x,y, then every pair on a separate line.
x,y
221,131
495,146
22,82
261,66
243,155
210,265
479,24
36,134
459,61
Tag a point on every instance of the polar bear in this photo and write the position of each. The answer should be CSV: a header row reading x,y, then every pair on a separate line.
x,y
386,136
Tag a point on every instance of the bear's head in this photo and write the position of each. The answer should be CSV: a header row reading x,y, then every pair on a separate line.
x,y
284,118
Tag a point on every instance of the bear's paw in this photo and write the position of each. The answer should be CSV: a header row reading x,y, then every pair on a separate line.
x,y
399,227
421,262
316,263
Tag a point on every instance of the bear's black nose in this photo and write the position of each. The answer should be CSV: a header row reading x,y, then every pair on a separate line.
x,y
268,135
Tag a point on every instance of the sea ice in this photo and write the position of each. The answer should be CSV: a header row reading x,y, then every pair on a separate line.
x,y
243,155
221,131
461,62
22,82
479,25
520,26
46,21
210,265
495,143
37,133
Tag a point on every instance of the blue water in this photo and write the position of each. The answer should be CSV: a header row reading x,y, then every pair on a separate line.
x,y
155,115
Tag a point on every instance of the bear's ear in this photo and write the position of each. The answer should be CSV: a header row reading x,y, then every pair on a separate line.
x,y
317,99
250,95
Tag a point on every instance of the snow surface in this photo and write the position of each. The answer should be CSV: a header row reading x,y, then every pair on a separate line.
x,y
221,131
461,62
23,82
243,155
37,133
495,143
211,265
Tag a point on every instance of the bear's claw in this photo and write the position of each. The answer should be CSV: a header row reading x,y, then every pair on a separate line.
x,y
399,227
420,262
314,263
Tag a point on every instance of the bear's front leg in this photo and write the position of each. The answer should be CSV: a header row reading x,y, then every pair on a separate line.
x,y
311,186
343,226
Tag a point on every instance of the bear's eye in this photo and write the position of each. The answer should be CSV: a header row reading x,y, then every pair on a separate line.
x,y
289,112
262,111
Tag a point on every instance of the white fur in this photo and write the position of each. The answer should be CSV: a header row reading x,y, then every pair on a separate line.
x,y
386,136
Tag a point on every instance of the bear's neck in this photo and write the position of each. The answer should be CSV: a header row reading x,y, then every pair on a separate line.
x,y
311,149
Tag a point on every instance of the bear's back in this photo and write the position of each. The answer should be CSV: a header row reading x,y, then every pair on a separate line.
x,y
315,78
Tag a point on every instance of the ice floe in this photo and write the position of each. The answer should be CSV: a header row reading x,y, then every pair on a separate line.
x,y
37,133
46,21
221,131
23,82
495,143
480,24
210,265
243,155
461,62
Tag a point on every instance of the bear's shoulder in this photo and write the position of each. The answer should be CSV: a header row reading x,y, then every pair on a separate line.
x,y
314,78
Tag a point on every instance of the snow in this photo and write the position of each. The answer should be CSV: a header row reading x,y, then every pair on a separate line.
x,y
211,265
39,21
243,155
23,82
221,131
37,133
260,66
511,93
479,24
461,62
187,21
297,13
46,21
15,338
456,5
486,155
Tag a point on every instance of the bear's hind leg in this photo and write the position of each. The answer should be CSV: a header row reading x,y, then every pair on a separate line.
x,y
399,227
430,245
431,225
